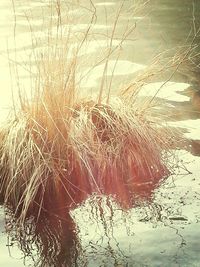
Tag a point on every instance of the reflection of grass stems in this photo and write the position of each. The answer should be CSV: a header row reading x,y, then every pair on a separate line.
x,y
53,240
63,146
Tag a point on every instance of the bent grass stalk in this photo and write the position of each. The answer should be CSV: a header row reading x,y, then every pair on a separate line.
x,y
62,147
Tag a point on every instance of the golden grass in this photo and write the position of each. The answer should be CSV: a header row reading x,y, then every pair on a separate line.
x,y
63,145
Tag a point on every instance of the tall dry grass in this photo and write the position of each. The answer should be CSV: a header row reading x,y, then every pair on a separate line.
x,y
62,145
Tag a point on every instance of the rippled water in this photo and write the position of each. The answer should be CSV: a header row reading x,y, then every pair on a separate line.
x,y
162,228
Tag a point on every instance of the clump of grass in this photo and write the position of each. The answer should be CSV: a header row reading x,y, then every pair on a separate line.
x,y
63,145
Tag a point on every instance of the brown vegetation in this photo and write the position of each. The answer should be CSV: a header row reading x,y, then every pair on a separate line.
x,y
61,147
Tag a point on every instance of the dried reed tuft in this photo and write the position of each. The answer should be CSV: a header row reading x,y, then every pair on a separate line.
x,y
61,146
